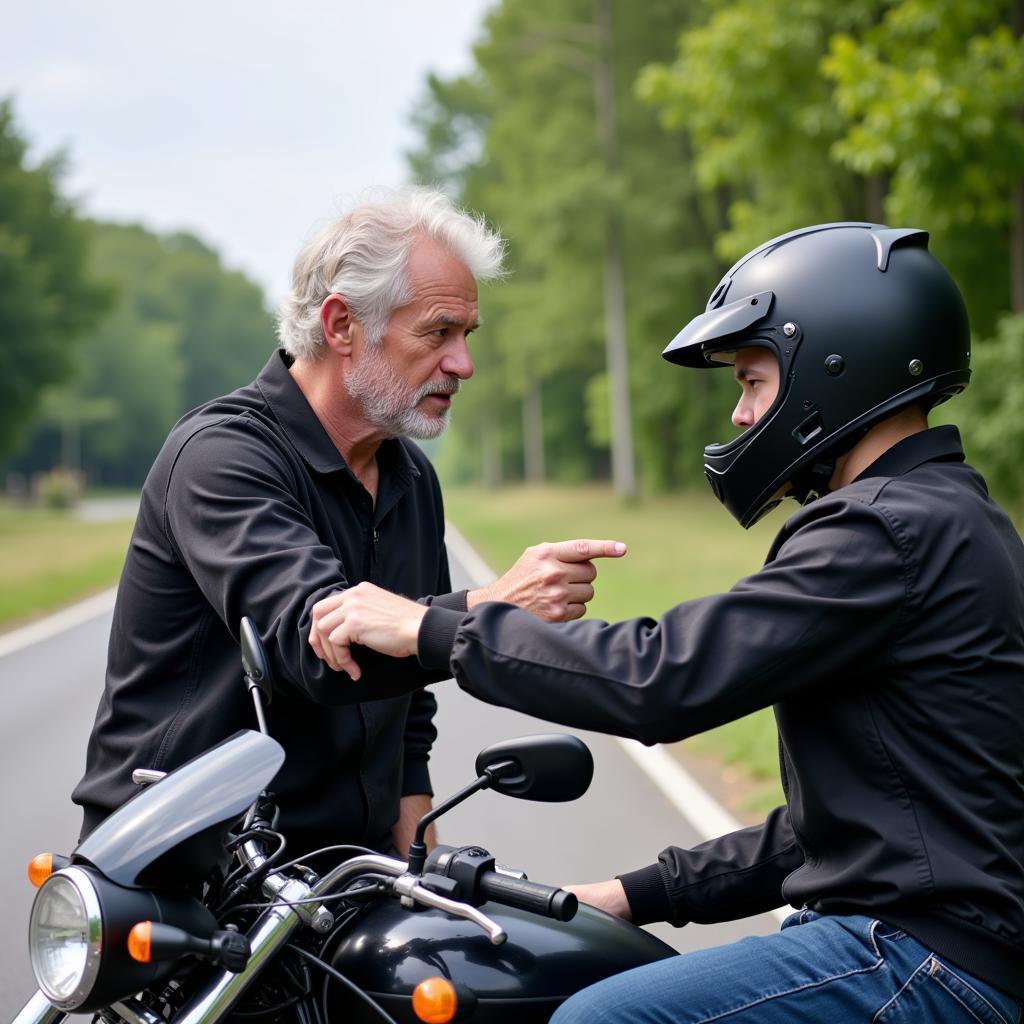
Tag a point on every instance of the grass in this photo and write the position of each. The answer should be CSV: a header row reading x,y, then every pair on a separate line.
x,y
49,558
680,547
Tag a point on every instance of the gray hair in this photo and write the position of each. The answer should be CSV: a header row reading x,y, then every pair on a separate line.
x,y
363,257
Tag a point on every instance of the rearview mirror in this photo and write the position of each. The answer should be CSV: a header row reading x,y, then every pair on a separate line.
x,y
551,768
255,663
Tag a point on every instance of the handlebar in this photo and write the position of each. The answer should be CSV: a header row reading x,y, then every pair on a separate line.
x,y
472,870
534,897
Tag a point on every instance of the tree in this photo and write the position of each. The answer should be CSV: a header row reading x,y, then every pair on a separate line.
x,y
905,111
933,100
747,88
47,298
520,139
182,330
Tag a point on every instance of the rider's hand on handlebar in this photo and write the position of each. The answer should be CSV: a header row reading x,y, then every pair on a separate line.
x,y
607,896
553,581
364,614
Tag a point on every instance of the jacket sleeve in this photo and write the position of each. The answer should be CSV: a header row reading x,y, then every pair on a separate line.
x,y
836,593
233,518
734,876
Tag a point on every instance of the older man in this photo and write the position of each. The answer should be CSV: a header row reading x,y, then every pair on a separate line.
x,y
270,501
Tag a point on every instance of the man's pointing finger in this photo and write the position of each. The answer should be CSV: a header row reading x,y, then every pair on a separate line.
x,y
584,550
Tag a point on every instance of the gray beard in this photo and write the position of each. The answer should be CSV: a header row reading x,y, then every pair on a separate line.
x,y
388,403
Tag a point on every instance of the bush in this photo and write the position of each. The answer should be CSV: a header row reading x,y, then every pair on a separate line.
x,y
992,413
60,488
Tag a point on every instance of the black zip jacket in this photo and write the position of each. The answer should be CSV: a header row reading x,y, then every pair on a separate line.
x,y
887,629
249,509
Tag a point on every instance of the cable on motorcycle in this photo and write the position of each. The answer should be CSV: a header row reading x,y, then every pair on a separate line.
x,y
384,1015
380,884
237,881
348,849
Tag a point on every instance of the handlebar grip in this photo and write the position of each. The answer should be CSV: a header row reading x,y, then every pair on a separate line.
x,y
535,897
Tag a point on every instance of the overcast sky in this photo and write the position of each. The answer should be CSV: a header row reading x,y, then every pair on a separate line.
x,y
247,123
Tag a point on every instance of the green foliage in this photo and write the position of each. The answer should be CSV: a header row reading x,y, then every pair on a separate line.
x,y
183,329
737,120
906,111
46,296
993,412
519,140
747,90
932,98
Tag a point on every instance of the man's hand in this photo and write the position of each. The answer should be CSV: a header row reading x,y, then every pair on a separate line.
x,y
554,581
607,896
364,614
411,809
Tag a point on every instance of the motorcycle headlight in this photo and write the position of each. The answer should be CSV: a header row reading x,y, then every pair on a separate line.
x,y
65,937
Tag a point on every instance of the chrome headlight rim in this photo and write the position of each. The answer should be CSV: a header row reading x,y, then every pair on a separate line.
x,y
88,894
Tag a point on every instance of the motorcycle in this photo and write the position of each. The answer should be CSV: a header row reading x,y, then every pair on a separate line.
x,y
179,907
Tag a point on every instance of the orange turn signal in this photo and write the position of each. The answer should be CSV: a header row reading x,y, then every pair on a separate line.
x,y
140,946
434,1001
40,868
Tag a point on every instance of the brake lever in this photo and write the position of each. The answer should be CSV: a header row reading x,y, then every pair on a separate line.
x,y
408,887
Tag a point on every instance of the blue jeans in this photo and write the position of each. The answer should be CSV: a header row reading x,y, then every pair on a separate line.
x,y
817,970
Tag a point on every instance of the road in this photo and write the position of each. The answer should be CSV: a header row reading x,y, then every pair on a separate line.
x,y
50,692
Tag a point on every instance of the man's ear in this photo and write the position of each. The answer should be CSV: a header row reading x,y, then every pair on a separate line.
x,y
336,323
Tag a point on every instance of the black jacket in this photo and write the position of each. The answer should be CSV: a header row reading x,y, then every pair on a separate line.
x,y
250,510
887,629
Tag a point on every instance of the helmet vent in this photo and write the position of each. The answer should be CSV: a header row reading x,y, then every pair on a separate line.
x,y
809,429
887,239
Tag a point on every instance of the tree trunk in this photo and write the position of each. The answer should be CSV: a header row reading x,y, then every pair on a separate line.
x,y
490,453
1017,249
616,351
533,433
876,188
1017,200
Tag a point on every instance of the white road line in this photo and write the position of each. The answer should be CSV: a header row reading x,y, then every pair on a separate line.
x,y
479,571
44,629
705,814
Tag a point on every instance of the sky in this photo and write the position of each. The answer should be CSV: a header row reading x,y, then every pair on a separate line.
x,y
248,124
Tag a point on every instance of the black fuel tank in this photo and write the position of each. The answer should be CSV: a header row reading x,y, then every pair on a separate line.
x,y
387,951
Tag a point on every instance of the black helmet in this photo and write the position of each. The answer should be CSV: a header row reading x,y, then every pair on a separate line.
x,y
863,320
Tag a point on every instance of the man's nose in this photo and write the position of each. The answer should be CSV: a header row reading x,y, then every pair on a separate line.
x,y
743,414
457,361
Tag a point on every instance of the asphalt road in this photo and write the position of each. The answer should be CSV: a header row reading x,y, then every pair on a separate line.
x,y
50,691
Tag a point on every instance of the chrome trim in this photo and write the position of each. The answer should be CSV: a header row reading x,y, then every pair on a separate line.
x,y
82,884
39,1010
409,886
267,936
354,866
133,1012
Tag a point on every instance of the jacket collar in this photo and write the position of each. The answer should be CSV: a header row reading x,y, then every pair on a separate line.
x,y
305,431
925,446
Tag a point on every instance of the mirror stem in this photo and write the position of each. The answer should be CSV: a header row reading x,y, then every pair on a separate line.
x,y
257,699
417,848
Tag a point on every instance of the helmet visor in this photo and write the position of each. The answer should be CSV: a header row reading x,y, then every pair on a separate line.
x,y
713,326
